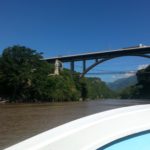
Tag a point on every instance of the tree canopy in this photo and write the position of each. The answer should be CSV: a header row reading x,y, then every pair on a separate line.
x,y
22,71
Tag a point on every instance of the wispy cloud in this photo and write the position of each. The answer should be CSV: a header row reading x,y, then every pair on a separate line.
x,y
142,66
129,74
126,75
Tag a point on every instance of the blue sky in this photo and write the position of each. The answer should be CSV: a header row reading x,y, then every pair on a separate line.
x,y
63,27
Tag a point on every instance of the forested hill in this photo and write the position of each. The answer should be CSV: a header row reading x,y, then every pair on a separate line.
x,y
142,89
122,83
25,78
98,89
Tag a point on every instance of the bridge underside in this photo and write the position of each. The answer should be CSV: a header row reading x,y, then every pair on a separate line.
x,y
99,58
99,61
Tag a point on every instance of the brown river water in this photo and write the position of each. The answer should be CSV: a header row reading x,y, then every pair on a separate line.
x,y
21,121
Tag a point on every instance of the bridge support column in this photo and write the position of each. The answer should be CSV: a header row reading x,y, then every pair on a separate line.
x,y
72,66
84,65
93,65
96,60
58,67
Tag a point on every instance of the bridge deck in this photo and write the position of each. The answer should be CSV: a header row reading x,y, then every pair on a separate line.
x,y
103,54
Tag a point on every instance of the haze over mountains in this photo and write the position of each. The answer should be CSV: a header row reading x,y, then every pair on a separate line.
x,y
122,83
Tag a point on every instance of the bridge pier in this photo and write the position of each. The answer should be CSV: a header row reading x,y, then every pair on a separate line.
x,y
84,65
58,67
98,57
96,60
72,66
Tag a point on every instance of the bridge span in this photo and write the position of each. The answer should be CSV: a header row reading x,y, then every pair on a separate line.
x,y
99,57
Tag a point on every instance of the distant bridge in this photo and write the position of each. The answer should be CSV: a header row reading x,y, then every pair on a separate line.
x,y
99,57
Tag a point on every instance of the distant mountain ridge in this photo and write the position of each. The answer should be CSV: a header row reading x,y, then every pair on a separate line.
x,y
122,83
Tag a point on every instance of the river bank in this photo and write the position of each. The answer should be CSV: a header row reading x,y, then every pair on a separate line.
x,y
21,121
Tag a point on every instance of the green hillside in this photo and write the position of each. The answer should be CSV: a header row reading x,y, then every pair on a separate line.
x,y
98,89
122,83
142,89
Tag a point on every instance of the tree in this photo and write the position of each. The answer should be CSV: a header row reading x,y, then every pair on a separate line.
x,y
22,70
143,77
64,88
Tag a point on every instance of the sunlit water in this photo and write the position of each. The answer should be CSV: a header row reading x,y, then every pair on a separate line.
x,y
21,121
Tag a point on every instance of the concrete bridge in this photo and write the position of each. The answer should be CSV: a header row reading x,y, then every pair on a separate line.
x,y
99,57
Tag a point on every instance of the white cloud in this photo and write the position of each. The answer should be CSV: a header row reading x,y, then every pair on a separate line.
x,y
129,74
142,66
126,75
116,77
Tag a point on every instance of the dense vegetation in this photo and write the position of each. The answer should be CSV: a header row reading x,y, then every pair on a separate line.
x,y
95,85
142,89
25,77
